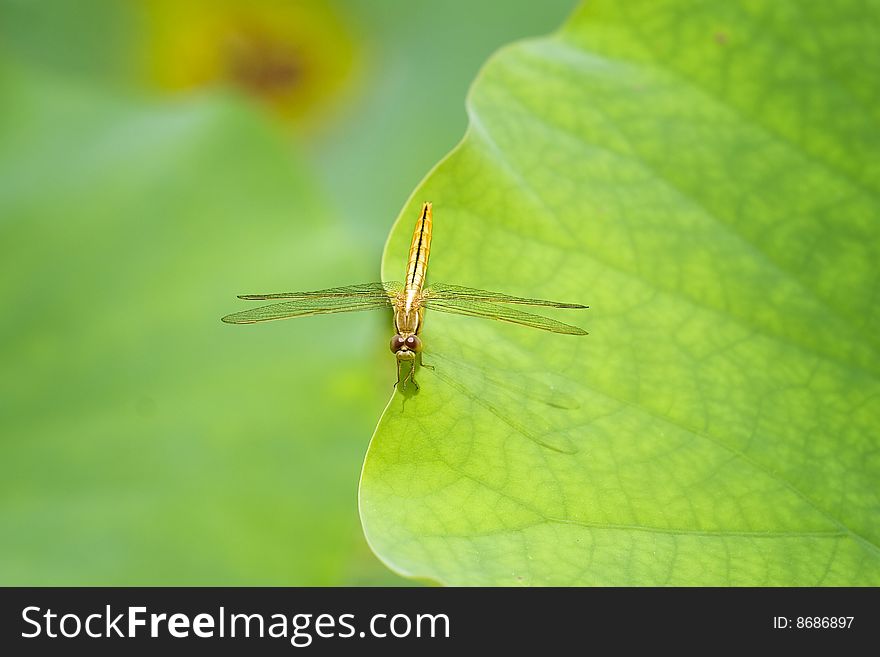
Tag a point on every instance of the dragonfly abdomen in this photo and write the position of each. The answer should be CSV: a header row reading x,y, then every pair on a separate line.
x,y
419,250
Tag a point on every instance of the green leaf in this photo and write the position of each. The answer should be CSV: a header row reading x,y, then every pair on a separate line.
x,y
705,177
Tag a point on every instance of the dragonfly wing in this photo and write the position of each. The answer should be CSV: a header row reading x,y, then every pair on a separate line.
x,y
489,310
308,306
361,291
444,292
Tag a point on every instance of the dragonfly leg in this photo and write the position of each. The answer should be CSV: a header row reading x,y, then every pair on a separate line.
x,y
422,363
411,375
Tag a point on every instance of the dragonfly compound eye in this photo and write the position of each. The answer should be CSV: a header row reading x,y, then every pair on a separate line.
x,y
397,343
413,343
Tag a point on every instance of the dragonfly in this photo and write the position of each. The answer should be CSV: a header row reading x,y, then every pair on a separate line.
x,y
408,300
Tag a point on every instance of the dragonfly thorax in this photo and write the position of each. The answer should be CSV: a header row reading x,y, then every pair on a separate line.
x,y
408,321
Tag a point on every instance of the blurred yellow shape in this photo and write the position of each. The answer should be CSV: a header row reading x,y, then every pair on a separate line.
x,y
294,56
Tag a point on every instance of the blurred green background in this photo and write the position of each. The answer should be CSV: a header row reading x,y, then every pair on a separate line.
x,y
157,158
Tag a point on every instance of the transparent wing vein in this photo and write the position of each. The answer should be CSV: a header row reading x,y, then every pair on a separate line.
x,y
353,298
497,311
444,291
363,290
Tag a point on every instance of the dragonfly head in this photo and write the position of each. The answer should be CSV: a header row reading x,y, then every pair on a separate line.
x,y
405,348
